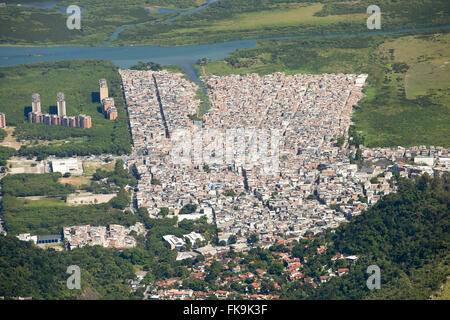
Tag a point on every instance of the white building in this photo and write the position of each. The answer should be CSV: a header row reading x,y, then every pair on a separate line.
x,y
174,241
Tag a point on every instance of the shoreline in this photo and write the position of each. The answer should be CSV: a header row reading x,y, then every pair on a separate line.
x,y
365,33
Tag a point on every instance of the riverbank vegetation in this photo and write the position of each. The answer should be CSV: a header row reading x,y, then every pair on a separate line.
x,y
224,20
37,203
24,184
403,105
79,82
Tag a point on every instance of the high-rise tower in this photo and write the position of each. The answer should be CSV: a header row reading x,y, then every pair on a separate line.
x,y
36,102
61,101
103,89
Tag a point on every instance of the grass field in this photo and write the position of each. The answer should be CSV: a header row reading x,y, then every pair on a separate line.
x,y
387,116
79,82
10,140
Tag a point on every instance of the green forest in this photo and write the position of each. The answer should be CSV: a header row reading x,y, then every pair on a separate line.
x,y
26,270
99,19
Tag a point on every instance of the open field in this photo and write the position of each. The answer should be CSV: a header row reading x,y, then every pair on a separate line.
x,y
26,166
286,15
43,202
428,61
386,117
